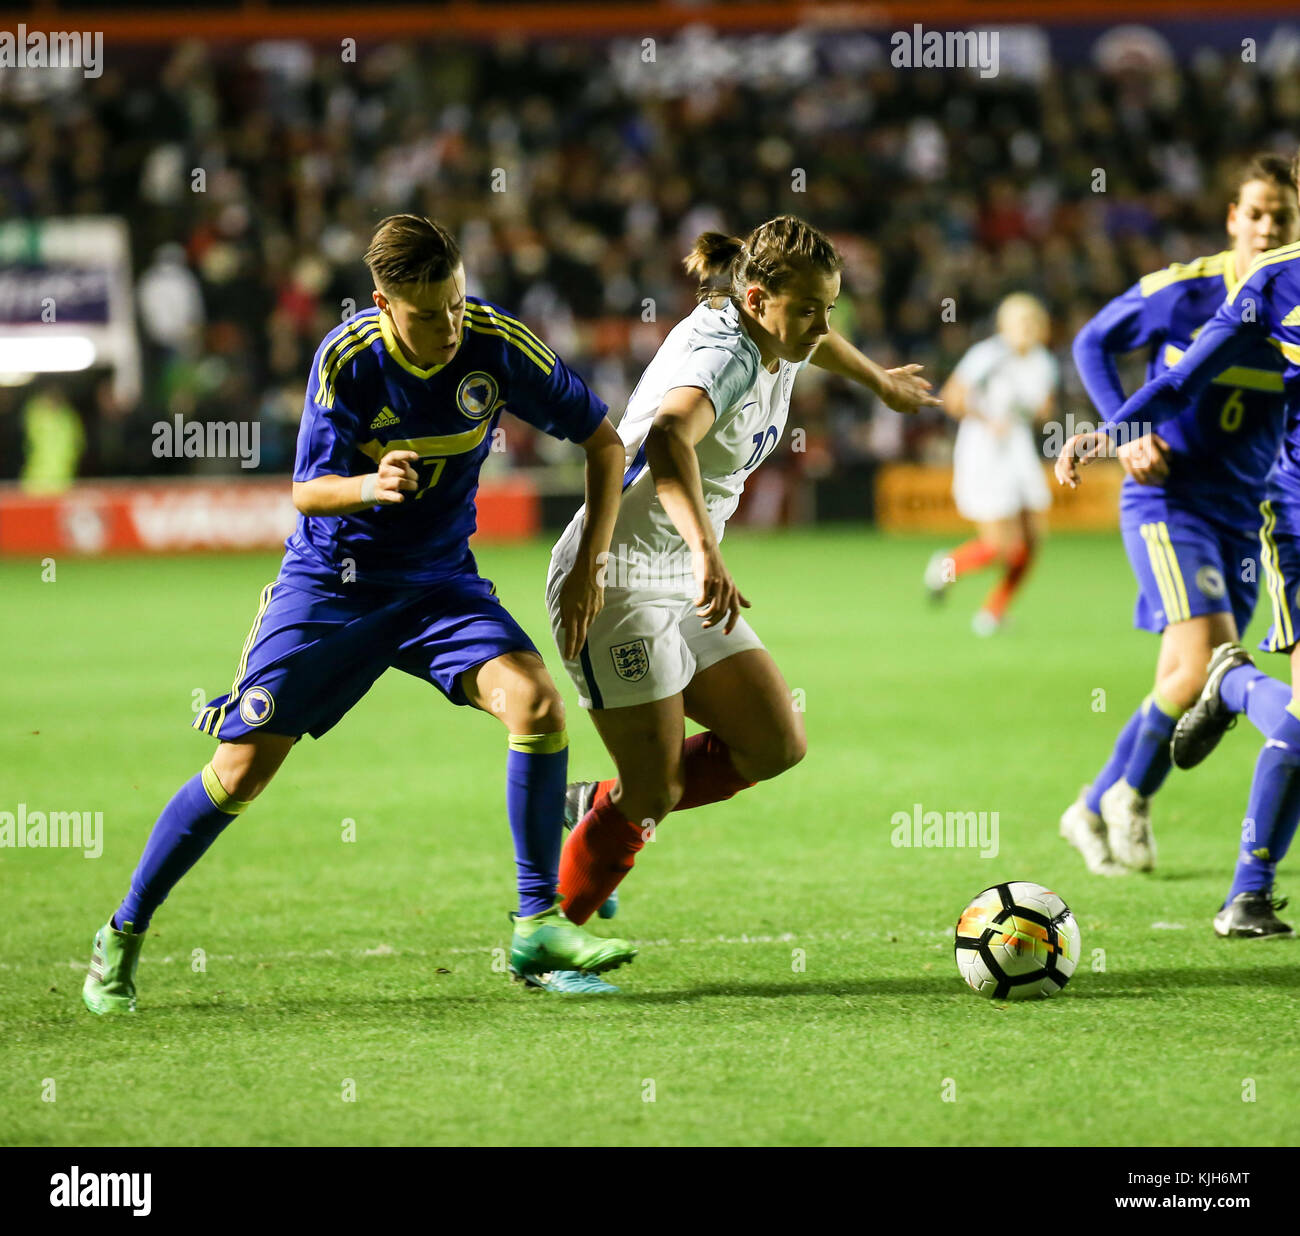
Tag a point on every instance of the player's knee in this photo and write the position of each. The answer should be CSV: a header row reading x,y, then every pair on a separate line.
x,y
537,709
653,798
242,781
244,769
785,752
1182,684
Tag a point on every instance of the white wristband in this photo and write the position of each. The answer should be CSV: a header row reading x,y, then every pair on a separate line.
x,y
368,487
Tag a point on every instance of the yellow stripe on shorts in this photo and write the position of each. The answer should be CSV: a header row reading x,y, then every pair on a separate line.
x,y
243,656
1160,569
1283,635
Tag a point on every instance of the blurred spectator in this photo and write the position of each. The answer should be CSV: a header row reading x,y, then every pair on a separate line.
x,y
54,441
576,175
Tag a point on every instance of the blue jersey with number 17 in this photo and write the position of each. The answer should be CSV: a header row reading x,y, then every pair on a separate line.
x,y
364,399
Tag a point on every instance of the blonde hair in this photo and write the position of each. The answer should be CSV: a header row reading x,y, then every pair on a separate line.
x,y
1021,303
772,255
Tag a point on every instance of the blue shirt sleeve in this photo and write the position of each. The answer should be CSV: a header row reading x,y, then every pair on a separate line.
x,y
1127,322
327,435
552,398
1238,325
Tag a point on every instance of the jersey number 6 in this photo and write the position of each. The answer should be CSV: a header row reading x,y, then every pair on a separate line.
x,y
1232,412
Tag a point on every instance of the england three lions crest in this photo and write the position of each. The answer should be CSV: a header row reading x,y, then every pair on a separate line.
x,y
631,661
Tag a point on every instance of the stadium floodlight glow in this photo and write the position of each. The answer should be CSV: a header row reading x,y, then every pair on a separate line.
x,y
58,354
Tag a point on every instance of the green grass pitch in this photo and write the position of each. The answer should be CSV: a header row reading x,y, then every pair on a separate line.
x,y
795,984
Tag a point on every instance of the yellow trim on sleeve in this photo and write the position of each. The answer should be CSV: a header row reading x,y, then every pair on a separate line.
x,y
1236,375
483,328
1290,350
1269,257
356,338
540,744
1201,268
514,326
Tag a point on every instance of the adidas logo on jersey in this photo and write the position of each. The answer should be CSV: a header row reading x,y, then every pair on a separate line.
x,y
1292,318
385,418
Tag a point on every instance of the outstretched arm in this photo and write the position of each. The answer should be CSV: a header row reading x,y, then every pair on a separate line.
x,y
902,389
1224,339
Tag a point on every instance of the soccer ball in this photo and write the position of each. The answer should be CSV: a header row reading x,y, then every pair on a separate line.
x,y
1017,940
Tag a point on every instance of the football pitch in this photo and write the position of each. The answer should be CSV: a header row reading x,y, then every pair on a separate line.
x,y
330,974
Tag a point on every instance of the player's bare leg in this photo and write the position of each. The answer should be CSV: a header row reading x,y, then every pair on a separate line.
x,y
245,767
516,689
188,825
746,701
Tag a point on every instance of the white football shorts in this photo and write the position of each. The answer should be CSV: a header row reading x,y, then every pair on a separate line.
x,y
644,645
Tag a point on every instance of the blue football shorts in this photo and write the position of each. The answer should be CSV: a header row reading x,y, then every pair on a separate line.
x,y
309,657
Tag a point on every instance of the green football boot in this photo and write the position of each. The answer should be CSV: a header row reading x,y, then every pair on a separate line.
x,y
549,941
110,981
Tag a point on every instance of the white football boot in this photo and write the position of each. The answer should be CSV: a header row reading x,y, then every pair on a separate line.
x,y
1127,817
1085,830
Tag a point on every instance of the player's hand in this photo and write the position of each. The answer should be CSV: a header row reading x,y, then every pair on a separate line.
x,y
581,598
906,391
1146,459
1077,452
396,478
719,599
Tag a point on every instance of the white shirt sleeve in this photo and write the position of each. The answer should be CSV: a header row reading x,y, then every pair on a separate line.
x,y
722,374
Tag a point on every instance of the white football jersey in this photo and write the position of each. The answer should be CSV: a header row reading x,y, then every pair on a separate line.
x,y
711,350
1005,385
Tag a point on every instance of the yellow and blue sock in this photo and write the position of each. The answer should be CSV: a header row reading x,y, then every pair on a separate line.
x,y
188,825
1273,810
537,767
1149,762
1114,767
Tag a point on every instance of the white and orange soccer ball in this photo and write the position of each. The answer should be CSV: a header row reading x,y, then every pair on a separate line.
x,y
1017,940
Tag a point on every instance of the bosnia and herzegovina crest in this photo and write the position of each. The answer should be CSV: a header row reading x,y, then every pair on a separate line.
x,y
476,395
631,661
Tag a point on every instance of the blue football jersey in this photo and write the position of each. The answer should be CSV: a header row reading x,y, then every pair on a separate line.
x,y
1261,316
364,398
1222,441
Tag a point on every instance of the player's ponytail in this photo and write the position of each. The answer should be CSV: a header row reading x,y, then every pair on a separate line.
x,y
772,255
711,261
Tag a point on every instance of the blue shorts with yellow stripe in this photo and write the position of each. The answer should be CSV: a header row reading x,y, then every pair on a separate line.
x,y
1279,541
1186,564
309,657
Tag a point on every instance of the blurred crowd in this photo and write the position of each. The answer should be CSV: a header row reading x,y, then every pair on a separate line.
x,y
575,183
